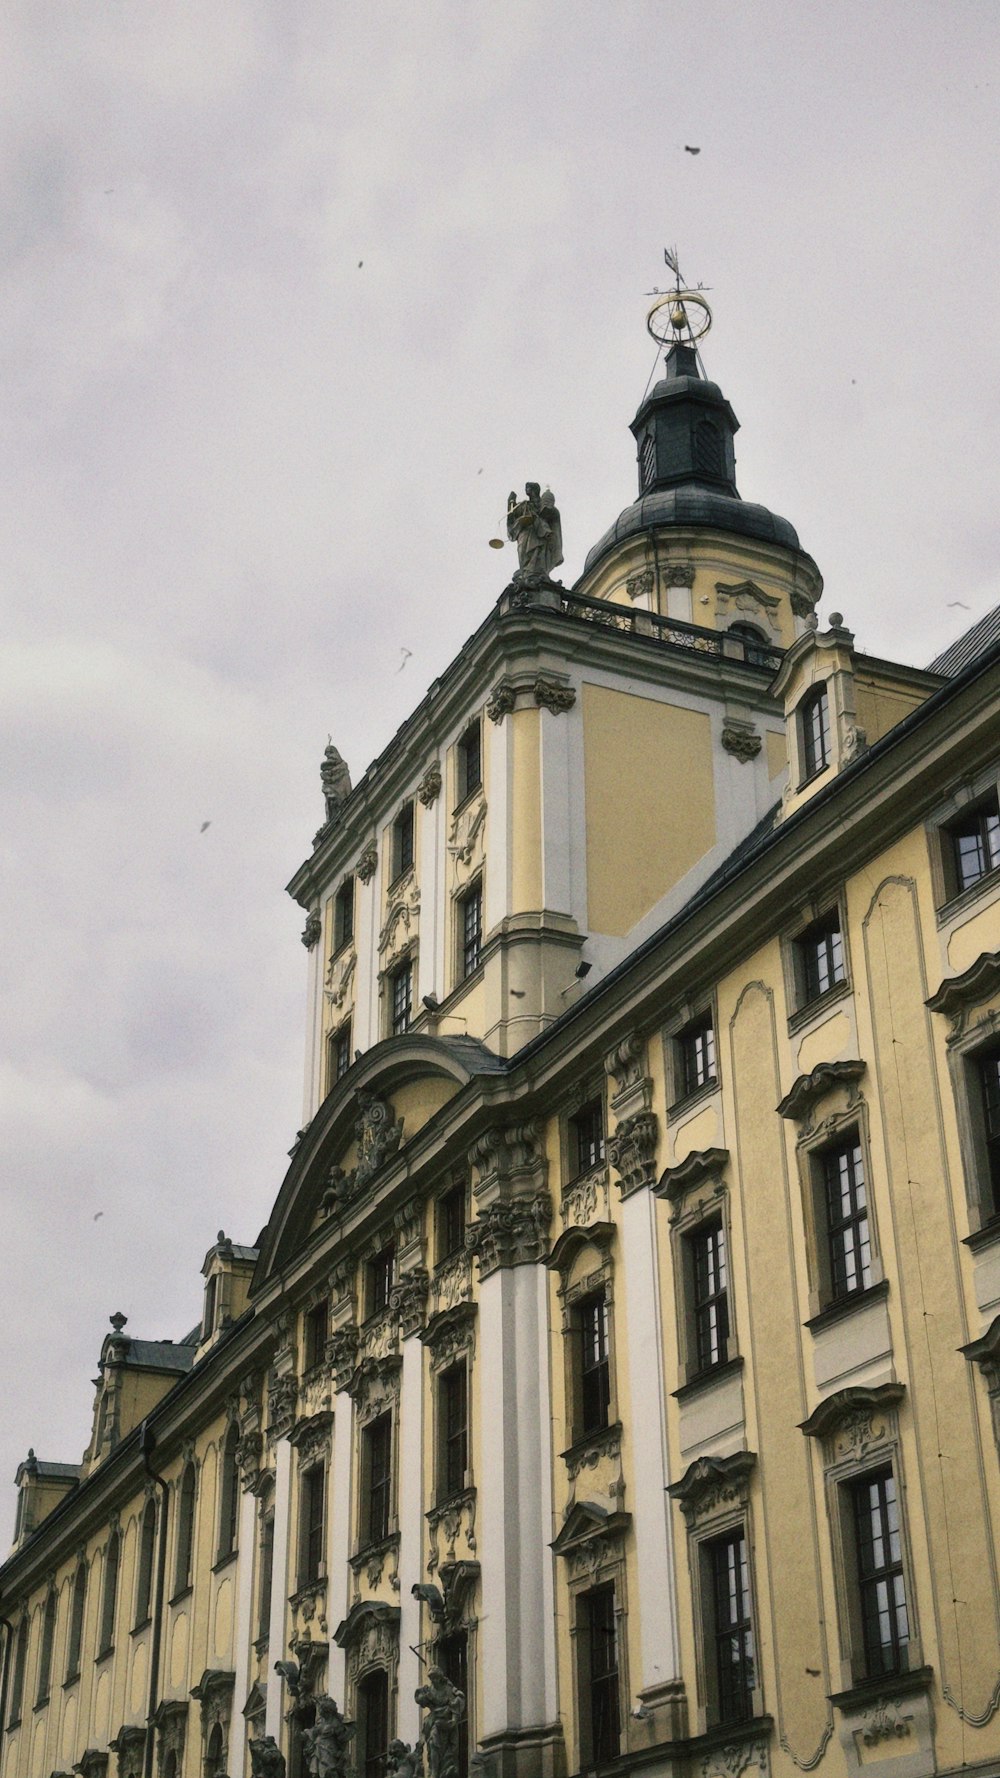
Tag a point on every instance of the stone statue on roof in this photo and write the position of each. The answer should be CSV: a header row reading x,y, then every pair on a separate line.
x,y
336,780
534,525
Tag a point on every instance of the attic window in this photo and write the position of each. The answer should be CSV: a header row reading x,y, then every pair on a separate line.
x,y
208,1320
708,449
647,462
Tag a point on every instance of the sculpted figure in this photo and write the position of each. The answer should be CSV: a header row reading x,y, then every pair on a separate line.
x,y
266,1758
445,1707
326,1743
336,780
403,1760
535,526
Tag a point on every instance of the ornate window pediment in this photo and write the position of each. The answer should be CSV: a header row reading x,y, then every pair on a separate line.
x,y
713,1485
130,1746
958,995
856,1422
449,1333
703,1167
590,1536
801,1102
370,1636
570,1242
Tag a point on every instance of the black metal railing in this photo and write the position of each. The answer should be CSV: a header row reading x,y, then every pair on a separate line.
x,y
671,631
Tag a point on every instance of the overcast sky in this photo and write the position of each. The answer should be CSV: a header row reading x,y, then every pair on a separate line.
x,y
293,292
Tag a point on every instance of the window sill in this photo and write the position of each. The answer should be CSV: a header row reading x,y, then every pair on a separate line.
x,y
688,1100
378,1547
224,1561
813,777
848,1305
595,1442
400,878
469,796
451,1504
137,1629
11,1726
70,1680
182,1593
696,1385
804,1014
725,1734
104,1654
307,1590
892,1685
967,898
262,1644
988,1235
40,1704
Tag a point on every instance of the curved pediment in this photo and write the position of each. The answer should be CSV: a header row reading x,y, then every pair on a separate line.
x,y
361,1130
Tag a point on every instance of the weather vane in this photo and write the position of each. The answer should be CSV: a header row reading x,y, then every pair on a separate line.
x,y
670,320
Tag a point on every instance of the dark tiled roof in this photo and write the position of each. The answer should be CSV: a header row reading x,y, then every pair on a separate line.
x,y
692,505
474,1055
58,1471
160,1355
959,655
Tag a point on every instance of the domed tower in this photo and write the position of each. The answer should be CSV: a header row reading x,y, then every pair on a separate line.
x,y
689,547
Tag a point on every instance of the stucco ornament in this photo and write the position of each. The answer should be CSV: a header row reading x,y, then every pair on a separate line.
x,y
501,701
550,695
445,1707
326,1744
428,790
266,1758
534,525
378,1132
312,931
741,740
368,862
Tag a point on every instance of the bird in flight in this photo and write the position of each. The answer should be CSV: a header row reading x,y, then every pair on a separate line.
x,y
204,825
406,653
689,150
97,1215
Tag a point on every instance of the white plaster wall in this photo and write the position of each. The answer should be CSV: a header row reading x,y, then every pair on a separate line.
x,y
276,1700
365,1031
411,1535
498,806
561,736
647,1421
338,1537
243,1633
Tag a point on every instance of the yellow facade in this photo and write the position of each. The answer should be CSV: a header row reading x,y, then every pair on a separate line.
x,y
624,1340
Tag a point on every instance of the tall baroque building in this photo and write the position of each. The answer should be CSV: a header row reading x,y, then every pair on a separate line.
x,y
622,1353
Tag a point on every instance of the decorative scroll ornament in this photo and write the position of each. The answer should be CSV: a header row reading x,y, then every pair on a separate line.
x,y
282,1396
339,974
678,574
640,585
368,862
883,1723
403,908
632,1150
511,1234
378,1132
550,695
429,788
312,931
408,1299
501,701
741,740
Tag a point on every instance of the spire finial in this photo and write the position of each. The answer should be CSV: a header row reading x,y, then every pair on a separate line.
x,y
669,320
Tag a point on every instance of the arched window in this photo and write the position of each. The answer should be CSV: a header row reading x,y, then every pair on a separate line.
x,y
229,1493
20,1664
185,1530
814,729
147,1548
45,1659
76,1623
756,649
215,1754
109,1598
373,1713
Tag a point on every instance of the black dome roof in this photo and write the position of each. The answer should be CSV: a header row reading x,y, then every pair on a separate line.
x,y
691,504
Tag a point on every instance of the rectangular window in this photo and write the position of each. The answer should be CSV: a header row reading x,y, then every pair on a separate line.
x,y
317,1326
988,1069
376,1455
820,958
595,1364
373,1697
586,1138
814,715
401,989
453,1431
451,1223
402,841
709,1295
266,1565
208,1317
312,1509
378,1281
881,1592
470,761
343,915
847,1231
696,1049
731,1638
470,912
973,845
340,1053
600,1705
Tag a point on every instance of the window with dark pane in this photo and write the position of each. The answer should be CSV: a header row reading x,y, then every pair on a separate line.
x,y
20,1667
814,717
847,1232
340,1052
266,1565
586,1137
451,1223
453,1430
373,1712
732,1627
316,1326
647,461
45,1658
470,914
470,761
696,1044
229,1493
343,915
756,649
185,1530
452,1656
820,953
974,842
74,1646
401,989
402,841
379,1280
109,1596
881,1588
988,1069
208,1318
595,1363
312,1517
377,1478
601,1702
710,1295
147,1551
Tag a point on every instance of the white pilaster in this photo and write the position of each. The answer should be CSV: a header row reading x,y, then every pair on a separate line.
x,y
648,1431
560,734
365,1031
517,1626
338,1537
498,847
314,1032
279,1585
411,1534
243,1633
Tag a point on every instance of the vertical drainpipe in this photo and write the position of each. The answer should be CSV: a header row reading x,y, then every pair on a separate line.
x,y
147,1445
